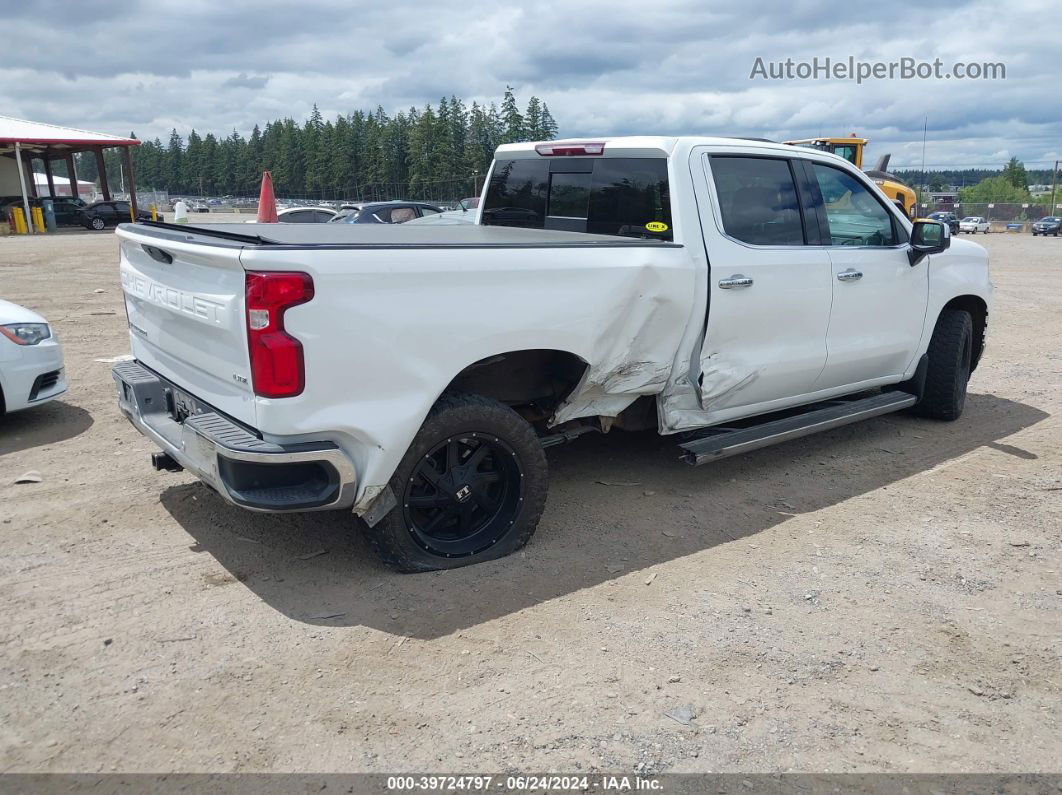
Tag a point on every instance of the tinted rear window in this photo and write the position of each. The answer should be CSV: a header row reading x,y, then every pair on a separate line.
x,y
607,196
758,200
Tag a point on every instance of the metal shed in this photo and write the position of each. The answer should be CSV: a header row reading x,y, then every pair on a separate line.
x,y
25,141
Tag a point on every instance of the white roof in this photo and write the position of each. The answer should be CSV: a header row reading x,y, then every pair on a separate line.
x,y
643,145
42,180
37,134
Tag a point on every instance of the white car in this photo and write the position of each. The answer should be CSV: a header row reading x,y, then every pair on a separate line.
x,y
413,374
447,218
31,359
302,215
973,224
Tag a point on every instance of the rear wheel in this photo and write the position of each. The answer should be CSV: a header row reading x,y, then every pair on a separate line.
x,y
950,358
470,488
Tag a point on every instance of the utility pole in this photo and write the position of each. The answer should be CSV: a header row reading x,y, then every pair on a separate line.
x,y
1054,185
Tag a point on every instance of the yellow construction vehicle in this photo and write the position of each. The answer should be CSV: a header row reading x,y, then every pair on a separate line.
x,y
851,149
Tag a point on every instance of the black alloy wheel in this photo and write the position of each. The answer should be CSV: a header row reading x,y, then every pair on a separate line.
x,y
463,495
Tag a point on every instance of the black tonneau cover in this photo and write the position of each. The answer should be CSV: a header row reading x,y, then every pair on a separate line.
x,y
300,236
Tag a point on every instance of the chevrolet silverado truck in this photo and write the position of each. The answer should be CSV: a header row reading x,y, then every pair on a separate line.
x,y
732,292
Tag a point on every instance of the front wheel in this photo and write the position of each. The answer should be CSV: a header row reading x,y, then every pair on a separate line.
x,y
470,488
950,358
98,224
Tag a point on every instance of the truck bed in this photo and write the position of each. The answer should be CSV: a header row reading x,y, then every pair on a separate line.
x,y
300,236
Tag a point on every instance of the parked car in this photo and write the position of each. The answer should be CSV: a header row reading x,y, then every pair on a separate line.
x,y
414,375
100,215
306,215
465,213
973,224
342,214
31,359
389,213
1048,225
446,218
947,218
67,209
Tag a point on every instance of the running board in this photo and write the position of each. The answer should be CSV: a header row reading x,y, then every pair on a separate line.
x,y
725,442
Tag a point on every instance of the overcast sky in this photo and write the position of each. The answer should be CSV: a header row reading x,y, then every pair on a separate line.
x,y
604,68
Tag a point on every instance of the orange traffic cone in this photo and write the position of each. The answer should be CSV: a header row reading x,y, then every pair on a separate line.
x,y
267,201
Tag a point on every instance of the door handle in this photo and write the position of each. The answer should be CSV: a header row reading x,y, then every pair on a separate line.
x,y
850,275
735,282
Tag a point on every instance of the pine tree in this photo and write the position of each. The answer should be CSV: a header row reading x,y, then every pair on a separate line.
x,y
547,126
477,152
171,171
431,152
511,118
249,165
533,119
1014,173
313,147
424,144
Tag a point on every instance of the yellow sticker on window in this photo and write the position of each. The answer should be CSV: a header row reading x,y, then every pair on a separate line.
x,y
656,226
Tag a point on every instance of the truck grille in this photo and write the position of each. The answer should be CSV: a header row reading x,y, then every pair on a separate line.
x,y
44,382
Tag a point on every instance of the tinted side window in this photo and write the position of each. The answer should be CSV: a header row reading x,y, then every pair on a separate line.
x,y
426,210
122,207
758,200
855,216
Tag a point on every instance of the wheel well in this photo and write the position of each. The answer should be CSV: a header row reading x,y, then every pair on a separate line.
x,y
978,311
537,379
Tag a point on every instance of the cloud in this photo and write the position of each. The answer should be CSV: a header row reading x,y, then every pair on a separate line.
x,y
243,81
604,67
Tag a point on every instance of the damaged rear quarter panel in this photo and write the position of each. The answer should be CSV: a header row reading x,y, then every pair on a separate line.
x,y
389,329
631,353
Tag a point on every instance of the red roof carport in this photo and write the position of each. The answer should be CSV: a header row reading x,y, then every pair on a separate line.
x,y
26,141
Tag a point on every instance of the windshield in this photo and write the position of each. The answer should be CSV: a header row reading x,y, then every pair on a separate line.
x,y
1048,219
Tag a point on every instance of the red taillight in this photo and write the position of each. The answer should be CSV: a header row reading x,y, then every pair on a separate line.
x,y
570,149
277,368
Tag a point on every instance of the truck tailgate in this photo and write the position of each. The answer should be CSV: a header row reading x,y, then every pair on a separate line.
x,y
185,302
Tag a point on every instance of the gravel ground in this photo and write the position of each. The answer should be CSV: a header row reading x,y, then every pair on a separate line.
x,y
884,597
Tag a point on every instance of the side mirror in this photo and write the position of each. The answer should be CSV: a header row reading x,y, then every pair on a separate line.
x,y
928,237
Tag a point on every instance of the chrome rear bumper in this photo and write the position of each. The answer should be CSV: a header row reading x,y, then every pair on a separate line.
x,y
242,468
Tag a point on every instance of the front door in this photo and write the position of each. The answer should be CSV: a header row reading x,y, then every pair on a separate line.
x,y
879,298
769,292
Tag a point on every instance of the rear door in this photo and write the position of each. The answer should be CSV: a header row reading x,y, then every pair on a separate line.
x,y
769,291
185,302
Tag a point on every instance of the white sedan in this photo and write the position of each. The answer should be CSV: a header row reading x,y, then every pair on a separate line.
x,y
973,224
31,359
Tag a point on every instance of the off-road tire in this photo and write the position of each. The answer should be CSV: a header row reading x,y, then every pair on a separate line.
x,y
950,359
462,415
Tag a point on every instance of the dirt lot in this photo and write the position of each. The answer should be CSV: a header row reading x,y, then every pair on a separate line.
x,y
885,597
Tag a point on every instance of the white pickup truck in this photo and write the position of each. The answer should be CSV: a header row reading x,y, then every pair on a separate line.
x,y
740,291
